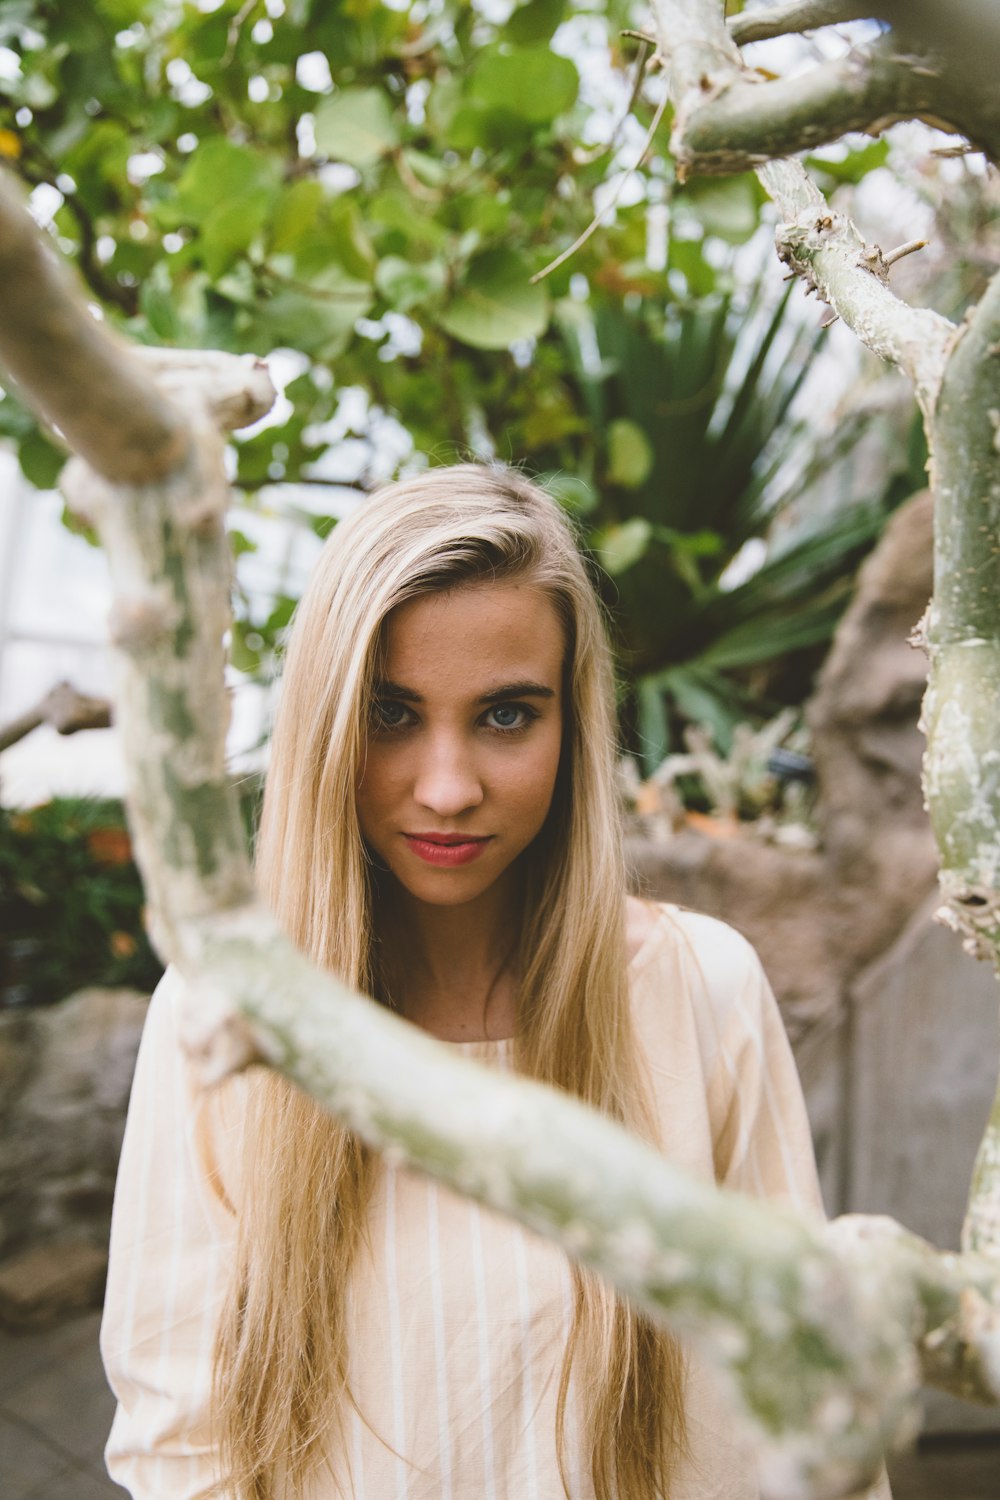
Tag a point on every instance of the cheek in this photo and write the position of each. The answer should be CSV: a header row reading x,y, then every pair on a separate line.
x,y
377,787
530,781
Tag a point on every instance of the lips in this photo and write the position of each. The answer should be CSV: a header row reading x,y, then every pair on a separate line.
x,y
446,849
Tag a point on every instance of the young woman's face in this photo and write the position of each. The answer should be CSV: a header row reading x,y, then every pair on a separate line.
x,y
464,737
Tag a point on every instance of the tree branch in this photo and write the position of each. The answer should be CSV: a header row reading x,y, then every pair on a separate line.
x,y
729,120
964,34
820,245
826,250
65,708
126,299
788,16
750,120
961,715
79,379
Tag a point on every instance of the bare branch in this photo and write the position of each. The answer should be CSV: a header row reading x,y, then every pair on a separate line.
x,y
820,245
964,35
910,248
729,120
826,250
80,378
595,221
749,120
65,708
788,16
236,389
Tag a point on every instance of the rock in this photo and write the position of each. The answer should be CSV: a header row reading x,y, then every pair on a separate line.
x,y
65,1075
819,917
46,1283
863,715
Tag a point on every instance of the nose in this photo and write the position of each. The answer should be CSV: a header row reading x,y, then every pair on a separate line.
x,y
448,781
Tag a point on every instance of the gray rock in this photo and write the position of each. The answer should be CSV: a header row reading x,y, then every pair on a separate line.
x,y
65,1075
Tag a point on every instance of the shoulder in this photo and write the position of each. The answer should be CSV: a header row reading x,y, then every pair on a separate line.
x,y
658,929
716,969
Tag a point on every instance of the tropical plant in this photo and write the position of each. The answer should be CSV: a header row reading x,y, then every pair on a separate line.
x,y
690,403
71,903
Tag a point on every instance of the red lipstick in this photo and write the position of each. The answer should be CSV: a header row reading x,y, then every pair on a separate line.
x,y
446,849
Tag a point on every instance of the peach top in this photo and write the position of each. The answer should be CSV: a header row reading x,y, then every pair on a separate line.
x,y
459,1316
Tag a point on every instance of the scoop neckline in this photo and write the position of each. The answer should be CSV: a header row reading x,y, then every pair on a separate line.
x,y
494,1043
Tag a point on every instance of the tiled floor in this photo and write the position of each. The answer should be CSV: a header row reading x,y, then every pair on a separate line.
x,y
55,1411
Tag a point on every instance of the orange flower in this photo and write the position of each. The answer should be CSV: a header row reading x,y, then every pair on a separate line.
x,y
122,944
110,846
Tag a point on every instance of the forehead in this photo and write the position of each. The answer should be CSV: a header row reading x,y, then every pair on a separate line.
x,y
504,632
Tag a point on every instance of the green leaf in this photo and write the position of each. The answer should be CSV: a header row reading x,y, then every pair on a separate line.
x,y
630,454
403,283
688,257
316,324
41,461
653,726
534,21
705,698
694,543
727,207
426,169
496,303
240,543
15,421
853,166
156,300
297,211
530,82
356,126
574,494
219,173
244,657
620,547
231,227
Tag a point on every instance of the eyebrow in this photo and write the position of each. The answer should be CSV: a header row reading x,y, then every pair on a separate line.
x,y
496,695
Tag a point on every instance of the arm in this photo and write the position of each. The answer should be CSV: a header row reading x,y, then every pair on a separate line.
x,y
172,1234
762,1141
763,1144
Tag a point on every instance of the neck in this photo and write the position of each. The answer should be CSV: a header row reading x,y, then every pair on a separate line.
x,y
450,968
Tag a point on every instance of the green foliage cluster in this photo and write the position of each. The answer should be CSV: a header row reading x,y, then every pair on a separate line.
x,y
71,903
374,185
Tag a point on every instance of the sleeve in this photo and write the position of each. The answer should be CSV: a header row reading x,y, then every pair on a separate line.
x,y
762,1140
761,1136
172,1237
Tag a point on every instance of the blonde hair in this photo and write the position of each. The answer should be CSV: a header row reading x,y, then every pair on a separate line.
x,y
282,1358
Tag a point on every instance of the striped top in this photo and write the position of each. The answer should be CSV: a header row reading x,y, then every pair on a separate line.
x,y
459,1317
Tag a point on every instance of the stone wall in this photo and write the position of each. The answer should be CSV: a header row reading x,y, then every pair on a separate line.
x,y
65,1074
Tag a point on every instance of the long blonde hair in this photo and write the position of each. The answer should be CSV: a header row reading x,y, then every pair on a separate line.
x,y
282,1358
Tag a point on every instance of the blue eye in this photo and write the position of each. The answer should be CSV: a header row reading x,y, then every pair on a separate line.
x,y
506,715
510,717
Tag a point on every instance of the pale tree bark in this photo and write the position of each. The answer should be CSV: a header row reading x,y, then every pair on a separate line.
x,y
956,374
821,1338
935,64
64,708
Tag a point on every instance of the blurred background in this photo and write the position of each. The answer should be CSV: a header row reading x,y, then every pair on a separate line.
x,y
361,193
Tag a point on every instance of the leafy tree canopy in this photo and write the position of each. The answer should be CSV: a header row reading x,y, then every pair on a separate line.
x,y
373,186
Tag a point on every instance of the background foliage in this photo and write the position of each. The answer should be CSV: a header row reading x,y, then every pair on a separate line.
x,y
373,186
71,903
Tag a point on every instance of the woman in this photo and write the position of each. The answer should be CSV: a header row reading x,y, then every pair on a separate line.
x,y
440,827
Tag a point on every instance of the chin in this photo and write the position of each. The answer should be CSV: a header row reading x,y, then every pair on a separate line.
x,y
453,888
